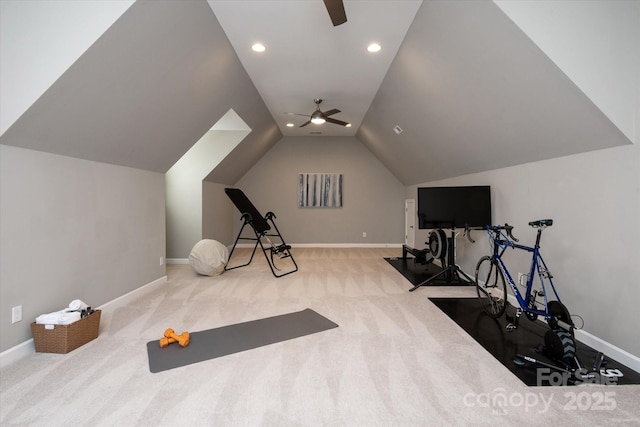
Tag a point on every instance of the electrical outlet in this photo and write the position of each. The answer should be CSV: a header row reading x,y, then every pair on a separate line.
x,y
364,234
16,314
161,261
522,279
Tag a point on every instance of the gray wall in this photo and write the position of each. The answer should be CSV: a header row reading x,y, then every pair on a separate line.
x,y
217,214
373,198
184,189
593,248
72,229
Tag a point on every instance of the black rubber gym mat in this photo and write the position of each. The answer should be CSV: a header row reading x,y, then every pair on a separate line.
x,y
526,340
231,339
417,273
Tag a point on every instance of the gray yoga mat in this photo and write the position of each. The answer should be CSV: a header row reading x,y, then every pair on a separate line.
x,y
231,339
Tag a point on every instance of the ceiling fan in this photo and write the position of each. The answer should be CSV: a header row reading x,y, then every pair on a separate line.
x,y
336,11
319,117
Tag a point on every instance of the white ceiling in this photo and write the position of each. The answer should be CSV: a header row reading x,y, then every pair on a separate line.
x,y
470,89
307,57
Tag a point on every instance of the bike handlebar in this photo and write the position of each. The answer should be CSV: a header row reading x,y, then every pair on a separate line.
x,y
497,229
492,228
506,227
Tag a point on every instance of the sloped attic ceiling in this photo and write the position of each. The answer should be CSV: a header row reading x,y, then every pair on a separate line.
x,y
470,90
471,93
146,91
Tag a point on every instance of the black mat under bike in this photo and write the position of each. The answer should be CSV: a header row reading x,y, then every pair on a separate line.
x,y
540,297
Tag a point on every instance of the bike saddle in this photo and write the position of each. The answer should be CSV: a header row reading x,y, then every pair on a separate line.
x,y
541,223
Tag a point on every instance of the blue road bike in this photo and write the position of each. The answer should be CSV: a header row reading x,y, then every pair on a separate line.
x,y
539,298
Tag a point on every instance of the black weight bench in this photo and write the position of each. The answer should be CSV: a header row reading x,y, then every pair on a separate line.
x,y
263,233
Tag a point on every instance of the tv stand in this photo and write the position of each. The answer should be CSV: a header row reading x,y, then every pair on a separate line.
x,y
451,273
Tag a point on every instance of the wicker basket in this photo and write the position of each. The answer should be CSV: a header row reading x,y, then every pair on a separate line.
x,y
65,338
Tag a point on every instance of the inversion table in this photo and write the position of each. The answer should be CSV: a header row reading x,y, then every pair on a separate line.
x,y
262,230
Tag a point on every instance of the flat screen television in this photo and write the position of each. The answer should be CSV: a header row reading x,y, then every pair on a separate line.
x,y
454,207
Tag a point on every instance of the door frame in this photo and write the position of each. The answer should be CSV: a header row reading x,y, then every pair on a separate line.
x,y
410,222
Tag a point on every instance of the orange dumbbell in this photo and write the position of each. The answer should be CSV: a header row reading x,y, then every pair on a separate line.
x,y
170,337
164,341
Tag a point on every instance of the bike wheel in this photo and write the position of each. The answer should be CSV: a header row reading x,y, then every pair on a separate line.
x,y
557,311
491,287
560,344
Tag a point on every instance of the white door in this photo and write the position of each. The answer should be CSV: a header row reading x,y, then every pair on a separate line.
x,y
410,223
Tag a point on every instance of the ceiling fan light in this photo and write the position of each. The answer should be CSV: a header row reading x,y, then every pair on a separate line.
x,y
317,118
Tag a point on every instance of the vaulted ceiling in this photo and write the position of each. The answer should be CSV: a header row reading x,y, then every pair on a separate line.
x,y
469,89
471,93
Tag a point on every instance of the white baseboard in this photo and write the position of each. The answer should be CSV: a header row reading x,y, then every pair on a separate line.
x,y
177,261
597,344
331,245
346,245
609,350
26,348
134,294
17,352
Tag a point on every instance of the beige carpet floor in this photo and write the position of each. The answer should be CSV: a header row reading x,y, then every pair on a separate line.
x,y
394,360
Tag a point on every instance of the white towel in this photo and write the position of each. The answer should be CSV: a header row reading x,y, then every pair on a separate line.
x,y
58,318
77,305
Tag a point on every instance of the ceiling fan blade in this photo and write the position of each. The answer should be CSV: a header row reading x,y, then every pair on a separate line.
x,y
336,122
336,11
305,123
297,114
331,112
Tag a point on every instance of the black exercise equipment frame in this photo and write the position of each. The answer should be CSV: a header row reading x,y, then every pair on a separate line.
x,y
260,226
450,270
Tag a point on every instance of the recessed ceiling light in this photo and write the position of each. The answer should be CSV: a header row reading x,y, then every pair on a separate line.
x,y
348,125
374,47
290,125
258,47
